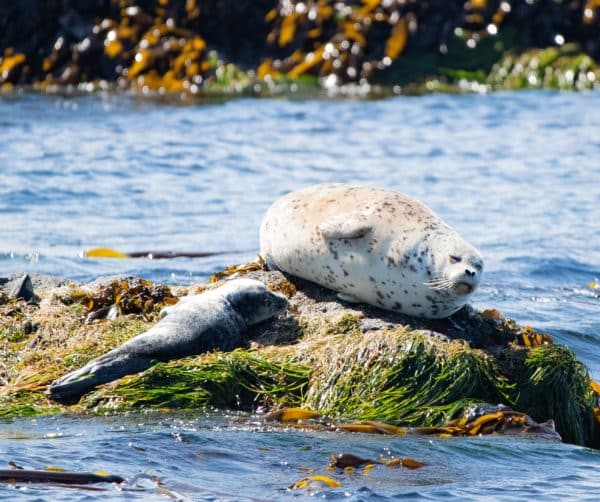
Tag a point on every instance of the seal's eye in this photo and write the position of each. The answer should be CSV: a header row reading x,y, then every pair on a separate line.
x,y
455,259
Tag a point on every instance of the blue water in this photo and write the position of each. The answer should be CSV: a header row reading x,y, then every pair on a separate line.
x,y
517,174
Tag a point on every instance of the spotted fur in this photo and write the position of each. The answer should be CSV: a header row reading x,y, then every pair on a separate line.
x,y
372,245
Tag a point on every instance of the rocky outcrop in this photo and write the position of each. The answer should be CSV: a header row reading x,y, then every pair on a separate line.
x,y
343,361
191,46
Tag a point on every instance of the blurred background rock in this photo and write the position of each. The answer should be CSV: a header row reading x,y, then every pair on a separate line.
x,y
185,45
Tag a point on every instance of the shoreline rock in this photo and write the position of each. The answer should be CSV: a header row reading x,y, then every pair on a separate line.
x,y
266,47
352,361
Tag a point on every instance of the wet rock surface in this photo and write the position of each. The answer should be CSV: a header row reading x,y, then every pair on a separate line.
x,y
310,299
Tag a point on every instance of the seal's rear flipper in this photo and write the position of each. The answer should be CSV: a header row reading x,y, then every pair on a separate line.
x,y
116,364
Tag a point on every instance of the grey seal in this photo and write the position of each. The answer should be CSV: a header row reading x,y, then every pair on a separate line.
x,y
217,318
371,245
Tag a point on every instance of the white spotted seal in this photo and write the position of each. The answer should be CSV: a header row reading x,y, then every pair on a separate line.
x,y
217,318
371,245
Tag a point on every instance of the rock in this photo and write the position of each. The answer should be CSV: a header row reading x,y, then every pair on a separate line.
x,y
24,287
389,43
353,361
21,289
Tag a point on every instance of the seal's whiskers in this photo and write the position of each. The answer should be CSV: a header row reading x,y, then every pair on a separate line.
x,y
440,283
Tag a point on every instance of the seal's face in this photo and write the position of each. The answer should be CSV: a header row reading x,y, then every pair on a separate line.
x,y
464,271
253,301
460,271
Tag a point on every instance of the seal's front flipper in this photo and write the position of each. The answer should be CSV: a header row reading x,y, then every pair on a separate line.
x,y
352,226
69,388
345,297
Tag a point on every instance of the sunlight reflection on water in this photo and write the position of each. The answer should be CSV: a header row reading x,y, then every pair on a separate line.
x,y
515,173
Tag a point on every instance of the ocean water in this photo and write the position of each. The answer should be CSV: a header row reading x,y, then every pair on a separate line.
x,y
517,174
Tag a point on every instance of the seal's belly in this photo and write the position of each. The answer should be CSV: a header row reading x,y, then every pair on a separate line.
x,y
372,278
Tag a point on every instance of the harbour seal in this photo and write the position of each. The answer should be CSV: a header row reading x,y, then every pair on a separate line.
x,y
371,245
217,318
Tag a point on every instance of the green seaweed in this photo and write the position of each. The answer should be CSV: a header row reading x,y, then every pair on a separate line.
x,y
239,379
347,324
552,383
457,74
26,404
563,68
408,379
18,410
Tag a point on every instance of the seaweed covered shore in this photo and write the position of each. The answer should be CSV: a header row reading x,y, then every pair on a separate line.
x,y
191,47
346,362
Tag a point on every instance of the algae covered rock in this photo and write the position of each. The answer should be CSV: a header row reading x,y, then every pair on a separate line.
x,y
189,47
356,362
564,68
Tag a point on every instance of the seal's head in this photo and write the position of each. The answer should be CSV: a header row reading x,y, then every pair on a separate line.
x,y
459,268
253,301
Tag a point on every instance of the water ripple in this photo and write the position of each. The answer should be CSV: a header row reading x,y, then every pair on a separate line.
x,y
515,173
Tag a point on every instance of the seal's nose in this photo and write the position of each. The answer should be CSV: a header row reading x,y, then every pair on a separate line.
x,y
469,272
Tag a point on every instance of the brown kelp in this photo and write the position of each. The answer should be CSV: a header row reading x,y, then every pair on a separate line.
x,y
48,476
149,46
345,464
194,46
477,420
396,42
124,296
